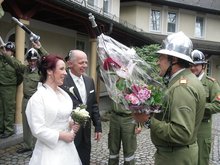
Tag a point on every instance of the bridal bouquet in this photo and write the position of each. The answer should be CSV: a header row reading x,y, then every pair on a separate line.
x,y
130,81
80,115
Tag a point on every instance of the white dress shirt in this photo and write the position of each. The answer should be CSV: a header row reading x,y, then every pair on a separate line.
x,y
80,86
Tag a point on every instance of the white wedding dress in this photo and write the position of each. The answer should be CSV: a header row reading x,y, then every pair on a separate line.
x,y
48,113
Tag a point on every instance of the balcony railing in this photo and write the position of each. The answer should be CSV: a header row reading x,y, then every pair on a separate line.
x,y
111,16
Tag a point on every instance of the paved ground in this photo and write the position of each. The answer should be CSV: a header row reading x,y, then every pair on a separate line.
x,y
144,154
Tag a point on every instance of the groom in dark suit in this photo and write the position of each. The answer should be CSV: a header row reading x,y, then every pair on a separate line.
x,y
81,89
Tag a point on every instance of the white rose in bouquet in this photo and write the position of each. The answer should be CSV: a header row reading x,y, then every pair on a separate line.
x,y
80,115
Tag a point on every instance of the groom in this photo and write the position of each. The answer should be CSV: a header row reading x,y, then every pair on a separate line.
x,y
82,92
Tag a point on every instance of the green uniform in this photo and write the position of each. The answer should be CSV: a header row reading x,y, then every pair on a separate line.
x,y
8,87
31,79
212,106
174,131
30,83
122,130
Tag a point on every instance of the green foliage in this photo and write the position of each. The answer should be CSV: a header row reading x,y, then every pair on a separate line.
x,y
83,106
121,84
148,54
157,95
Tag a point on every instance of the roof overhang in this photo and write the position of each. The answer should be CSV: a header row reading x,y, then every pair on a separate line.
x,y
207,47
72,15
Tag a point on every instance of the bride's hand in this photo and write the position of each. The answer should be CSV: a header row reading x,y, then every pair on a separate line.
x,y
67,136
74,126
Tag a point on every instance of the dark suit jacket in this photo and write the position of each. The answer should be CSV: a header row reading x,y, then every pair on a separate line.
x,y
84,134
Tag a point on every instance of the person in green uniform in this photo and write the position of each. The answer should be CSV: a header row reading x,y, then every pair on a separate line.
x,y
212,106
8,88
1,9
30,83
174,130
123,129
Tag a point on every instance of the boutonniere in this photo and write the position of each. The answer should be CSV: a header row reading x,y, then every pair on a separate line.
x,y
72,91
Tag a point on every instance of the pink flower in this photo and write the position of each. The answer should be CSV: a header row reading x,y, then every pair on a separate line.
x,y
132,98
144,94
135,88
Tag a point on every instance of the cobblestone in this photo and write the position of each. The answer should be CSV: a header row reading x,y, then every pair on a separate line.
x,y
99,154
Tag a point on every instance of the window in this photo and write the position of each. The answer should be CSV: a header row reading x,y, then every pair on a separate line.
x,y
208,71
80,45
199,27
155,20
106,6
91,2
172,20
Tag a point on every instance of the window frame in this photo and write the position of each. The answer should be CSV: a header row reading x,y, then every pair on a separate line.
x,y
160,20
176,22
202,31
209,68
92,6
108,7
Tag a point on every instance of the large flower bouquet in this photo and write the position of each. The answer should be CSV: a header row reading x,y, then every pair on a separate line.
x,y
130,81
80,115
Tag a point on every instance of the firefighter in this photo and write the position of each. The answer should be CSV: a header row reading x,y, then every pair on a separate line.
x,y
212,105
174,130
9,67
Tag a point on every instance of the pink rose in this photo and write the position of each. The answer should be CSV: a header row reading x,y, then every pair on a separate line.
x,y
144,94
132,98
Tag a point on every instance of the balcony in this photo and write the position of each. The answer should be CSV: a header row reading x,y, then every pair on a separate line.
x,y
101,12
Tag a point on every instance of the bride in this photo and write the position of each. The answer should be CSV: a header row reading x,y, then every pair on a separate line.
x,y
48,114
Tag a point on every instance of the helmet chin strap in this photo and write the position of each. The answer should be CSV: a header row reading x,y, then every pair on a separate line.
x,y
200,73
203,67
167,75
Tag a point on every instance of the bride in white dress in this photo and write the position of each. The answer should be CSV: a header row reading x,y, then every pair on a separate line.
x,y
48,113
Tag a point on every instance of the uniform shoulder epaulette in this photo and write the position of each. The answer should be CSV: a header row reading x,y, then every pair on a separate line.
x,y
183,81
211,78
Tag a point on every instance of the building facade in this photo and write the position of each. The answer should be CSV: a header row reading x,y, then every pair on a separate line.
x,y
199,20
